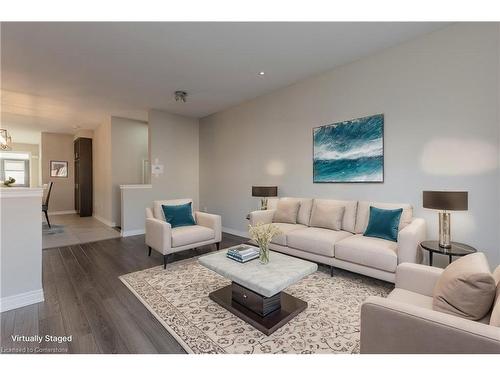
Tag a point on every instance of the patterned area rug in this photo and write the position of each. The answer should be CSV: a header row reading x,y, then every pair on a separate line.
x,y
178,298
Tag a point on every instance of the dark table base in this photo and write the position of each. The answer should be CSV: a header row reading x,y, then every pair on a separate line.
x,y
267,320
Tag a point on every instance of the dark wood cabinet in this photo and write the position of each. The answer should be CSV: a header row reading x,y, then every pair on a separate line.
x,y
83,176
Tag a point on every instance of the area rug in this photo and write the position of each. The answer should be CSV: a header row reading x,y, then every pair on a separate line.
x,y
178,298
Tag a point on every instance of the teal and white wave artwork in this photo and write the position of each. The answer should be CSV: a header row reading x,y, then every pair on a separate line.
x,y
350,151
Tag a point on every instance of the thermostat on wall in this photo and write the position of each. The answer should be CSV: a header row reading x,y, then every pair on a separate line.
x,y
156,168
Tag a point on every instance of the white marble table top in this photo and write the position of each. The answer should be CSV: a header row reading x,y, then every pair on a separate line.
x,y
265,279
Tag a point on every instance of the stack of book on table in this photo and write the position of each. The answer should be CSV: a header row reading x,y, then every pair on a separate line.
x,y
243,253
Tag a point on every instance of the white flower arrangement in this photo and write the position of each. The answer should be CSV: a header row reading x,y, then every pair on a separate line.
x,y
263,233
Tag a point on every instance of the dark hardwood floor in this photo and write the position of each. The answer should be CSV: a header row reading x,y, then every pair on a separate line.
x,y
85,299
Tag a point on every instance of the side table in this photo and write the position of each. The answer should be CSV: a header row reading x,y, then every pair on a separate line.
x,y
457,249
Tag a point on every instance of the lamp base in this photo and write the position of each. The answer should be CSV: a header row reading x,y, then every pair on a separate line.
x,y
444,230
263,203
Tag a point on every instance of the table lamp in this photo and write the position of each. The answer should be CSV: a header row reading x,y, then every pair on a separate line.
x,y
264,192
445,201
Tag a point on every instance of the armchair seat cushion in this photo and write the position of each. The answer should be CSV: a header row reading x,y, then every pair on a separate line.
x,y
420,300
368,251
316,240
285,230
192,234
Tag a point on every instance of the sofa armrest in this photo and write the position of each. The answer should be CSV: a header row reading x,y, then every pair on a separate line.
x,y
261,217
158,235
409,239
389,326
210,221
149,213
417,278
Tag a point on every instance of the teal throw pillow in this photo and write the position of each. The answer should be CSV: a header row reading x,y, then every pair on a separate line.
x,y
383,223
179,216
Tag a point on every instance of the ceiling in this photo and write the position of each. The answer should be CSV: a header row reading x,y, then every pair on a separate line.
x,y
59,76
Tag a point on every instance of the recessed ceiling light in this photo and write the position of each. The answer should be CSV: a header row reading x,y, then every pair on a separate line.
x,y
262,73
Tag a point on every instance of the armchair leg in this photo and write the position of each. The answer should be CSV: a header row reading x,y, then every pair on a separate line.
x,y
331,271
47,218
165,261
218,245
149,253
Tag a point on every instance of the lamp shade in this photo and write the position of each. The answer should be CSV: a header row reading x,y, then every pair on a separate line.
x,y
446,200
264,191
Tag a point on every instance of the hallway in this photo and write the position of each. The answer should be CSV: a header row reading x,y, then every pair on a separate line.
x,y
72,229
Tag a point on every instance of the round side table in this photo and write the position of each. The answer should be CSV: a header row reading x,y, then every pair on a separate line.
x,y
457,249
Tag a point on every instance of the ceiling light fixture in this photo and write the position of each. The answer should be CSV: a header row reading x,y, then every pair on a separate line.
x,y
262,73
180,96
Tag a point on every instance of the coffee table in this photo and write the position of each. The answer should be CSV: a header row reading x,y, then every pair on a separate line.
x,y
256,292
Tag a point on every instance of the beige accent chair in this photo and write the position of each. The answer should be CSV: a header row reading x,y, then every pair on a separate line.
x,y
161,237
406,323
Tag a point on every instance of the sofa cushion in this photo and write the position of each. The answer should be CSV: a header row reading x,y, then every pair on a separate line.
x,y
285,228
368,251
411,298
158,210
316,240
495,312
191,234
327,215
349,219
466,288
363,213
286,211
383,223
304,209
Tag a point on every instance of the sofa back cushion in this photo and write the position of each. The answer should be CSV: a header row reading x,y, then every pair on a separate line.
x,y
287,211
349,219
466,288
363,214
327,215
495,312
158,210
304,209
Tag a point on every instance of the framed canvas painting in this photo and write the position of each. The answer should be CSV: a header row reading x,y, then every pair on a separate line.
x,y
349,151
58,168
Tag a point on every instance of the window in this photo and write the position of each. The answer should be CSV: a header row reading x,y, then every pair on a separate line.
x,y
17,166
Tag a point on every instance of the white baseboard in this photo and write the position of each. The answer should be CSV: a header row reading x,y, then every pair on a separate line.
x,y
235,232
61,212
20,300
104,221
133,232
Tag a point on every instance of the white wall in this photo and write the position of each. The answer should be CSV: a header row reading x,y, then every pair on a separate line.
x,y
59,147
129,147
20,247
174,141
439,95
101,169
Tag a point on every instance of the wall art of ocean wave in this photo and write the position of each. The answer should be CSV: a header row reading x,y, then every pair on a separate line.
x,y
350,151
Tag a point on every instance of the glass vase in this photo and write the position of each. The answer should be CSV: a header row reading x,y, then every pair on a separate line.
x,y
264,254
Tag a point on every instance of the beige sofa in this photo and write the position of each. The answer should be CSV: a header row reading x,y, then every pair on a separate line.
x,y
161,237
347,248
405,321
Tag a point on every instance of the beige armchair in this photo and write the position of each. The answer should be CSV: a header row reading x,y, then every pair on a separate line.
x,y
161,237
405,321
